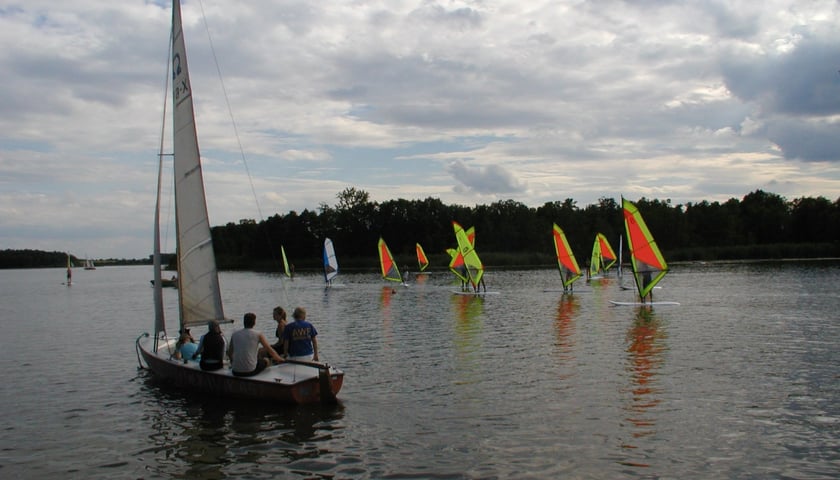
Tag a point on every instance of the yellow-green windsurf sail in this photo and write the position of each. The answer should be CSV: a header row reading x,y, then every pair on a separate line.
x,y
569,269
286,269
608,256
648,263
475,269
387,263
595,260
456,264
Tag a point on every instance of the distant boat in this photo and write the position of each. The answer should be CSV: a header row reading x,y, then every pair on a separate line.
x,y
387,264
200,298
330,262
566,263
167,282
648,264
422,259
89,264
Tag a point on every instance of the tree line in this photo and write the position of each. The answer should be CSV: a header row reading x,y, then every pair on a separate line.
x,y
509,233
28,258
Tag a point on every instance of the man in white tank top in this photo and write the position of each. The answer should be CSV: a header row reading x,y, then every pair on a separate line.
x,y
249,349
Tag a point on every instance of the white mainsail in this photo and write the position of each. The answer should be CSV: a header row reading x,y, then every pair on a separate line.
x,y
200,297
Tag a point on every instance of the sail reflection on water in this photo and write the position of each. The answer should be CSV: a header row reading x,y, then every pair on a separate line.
x,y
567,308
646,346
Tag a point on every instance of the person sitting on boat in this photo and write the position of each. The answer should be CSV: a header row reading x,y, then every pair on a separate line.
x,y
279,315
211,348
185,347
248,349
299,337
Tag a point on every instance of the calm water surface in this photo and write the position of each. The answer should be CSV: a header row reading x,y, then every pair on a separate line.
x,y
740,381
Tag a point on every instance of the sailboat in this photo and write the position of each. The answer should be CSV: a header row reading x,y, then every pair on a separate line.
x,y
387,264
89,264
603,257
200,299
648,264
330,263
473,267
608,256
422,259
566,263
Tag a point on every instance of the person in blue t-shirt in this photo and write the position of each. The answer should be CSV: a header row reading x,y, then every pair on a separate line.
x,y
299,337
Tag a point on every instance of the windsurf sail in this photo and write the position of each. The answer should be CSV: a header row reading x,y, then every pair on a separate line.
x,y
474,267
456,264
422,260
569,269
286,269
387,263
330,261
595,260
608,256
647,261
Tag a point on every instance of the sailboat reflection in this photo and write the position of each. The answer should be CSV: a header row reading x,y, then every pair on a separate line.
x,y
646,344
564,324
468,311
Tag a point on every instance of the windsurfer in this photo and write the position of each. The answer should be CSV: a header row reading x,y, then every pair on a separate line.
x,y
645,282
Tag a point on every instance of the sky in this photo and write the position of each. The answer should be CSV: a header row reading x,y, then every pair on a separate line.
x,y
470,102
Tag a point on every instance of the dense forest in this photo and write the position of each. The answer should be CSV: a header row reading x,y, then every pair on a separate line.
x,y
762,225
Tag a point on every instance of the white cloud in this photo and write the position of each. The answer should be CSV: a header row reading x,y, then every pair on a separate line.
x,y
466,101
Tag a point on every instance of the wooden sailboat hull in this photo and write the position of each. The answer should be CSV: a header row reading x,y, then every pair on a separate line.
x,y
288,383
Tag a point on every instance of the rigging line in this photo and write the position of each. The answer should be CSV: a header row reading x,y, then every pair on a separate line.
x,y
235,129
229,108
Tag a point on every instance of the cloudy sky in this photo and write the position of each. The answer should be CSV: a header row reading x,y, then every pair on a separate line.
x,y
466,101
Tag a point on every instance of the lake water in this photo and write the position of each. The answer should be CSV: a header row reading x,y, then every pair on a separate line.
x,y
742,380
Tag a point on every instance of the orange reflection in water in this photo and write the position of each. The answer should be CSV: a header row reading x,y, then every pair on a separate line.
x,y
564,324
646,344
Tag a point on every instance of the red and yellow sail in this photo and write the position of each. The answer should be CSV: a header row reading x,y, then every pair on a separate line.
x,y
569,269
422,260
388,264
608,256
648,263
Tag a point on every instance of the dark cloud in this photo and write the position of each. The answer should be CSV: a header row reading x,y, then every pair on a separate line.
x,y
802,82
800,140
